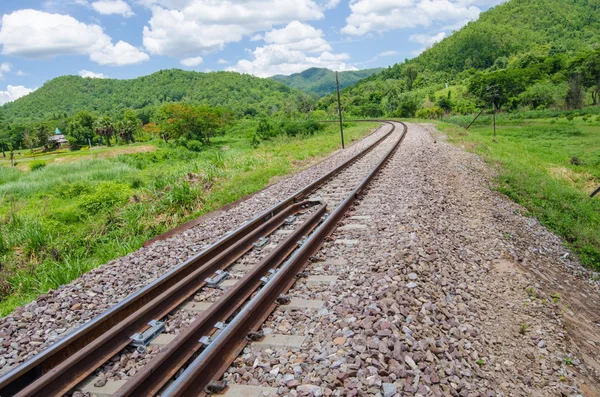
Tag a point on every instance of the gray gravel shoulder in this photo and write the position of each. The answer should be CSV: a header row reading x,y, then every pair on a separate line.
x,y
440,294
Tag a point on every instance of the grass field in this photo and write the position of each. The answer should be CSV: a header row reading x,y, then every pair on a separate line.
x,y
550,166
72,215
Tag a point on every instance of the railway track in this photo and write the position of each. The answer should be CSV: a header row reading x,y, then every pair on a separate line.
x,y
278,243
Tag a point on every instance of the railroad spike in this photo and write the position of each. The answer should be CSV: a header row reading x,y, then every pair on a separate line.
x,y
255,336
283,300
301,275
216,387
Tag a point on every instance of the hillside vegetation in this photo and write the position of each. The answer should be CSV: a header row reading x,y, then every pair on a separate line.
x,y
535,54
243,94
321,81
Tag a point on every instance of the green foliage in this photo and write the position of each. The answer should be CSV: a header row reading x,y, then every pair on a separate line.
x,y
193,122
517,54
321,81
70,217
104,197
37,165
80,129
535,170
70,94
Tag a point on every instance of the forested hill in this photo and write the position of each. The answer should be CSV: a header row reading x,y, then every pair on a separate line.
x,y
71,94
534,43
321,81
515,27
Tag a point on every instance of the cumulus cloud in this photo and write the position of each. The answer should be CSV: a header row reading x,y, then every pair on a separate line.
x,y
119,54
92,75
108,7
191,62
223,62
14,92
427,40
292,49
298,36
21,73
5,68
188,28
33,34
384,15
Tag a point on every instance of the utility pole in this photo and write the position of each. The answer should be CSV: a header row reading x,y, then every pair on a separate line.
x,y
337,84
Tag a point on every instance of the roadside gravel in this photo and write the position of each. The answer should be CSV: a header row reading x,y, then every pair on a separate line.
x,y
31,328
439,295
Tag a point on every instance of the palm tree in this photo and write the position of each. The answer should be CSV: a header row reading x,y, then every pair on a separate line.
x,y
105,128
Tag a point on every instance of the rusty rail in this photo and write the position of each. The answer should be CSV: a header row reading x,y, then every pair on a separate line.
x,y
61,364
220,353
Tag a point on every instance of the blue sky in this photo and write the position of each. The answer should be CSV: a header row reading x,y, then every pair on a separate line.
x,y
43,39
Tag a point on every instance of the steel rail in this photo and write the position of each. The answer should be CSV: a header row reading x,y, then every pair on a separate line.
x,y
60,379
36,367
220,353
153,376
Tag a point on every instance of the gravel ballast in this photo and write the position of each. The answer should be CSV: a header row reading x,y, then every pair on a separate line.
x,y
437,296
31,328
441,286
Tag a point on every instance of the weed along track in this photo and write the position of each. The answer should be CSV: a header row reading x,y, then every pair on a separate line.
x,y
203,310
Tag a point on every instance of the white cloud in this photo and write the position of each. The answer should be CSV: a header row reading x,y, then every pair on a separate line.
x,y
5,67
257,37
108,7
427,39
223,62
21,73
188,28
119,54
299,36
92,75
387,53
292,49
191,62
14,92
35,34
384,15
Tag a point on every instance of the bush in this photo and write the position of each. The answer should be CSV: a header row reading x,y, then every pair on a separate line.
x,y
74,144
430,113
74,189
105,197
181,196
36,165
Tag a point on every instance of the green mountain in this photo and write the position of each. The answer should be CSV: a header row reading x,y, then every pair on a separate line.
x,y
531,44
321,81
70,94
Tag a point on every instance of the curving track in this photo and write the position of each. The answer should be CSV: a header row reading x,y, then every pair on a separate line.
x,y
296,228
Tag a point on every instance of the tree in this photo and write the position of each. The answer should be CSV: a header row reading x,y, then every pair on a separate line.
x,y
587,66
128,126
194,122
410,72
81,128
104,127
574,97
41,133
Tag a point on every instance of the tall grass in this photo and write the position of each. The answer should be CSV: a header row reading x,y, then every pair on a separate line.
x,y
536,169
65,219
48,178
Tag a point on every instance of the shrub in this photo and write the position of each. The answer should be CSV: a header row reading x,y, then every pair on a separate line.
x,y
74,189
105,197
36,165
430,113
181,196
